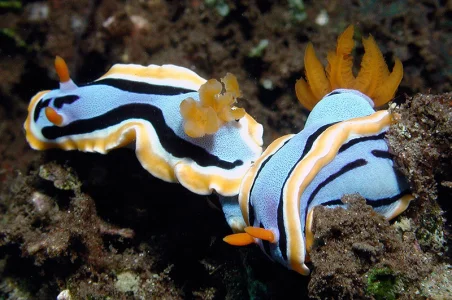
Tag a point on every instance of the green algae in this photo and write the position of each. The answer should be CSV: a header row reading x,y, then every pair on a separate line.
x,y
382,283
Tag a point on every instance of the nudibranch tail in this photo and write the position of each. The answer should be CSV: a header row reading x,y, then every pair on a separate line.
x,y
373,79
147,106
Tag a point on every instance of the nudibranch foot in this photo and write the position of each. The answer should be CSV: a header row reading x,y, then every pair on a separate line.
x,y
142,105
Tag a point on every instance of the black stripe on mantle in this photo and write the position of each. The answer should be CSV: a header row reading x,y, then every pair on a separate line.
x,y
280,211
139,87
171,142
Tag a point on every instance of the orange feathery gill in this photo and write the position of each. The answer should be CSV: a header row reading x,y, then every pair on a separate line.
x,y
374,78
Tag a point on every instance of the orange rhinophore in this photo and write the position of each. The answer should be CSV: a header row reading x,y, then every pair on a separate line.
x,y
62,69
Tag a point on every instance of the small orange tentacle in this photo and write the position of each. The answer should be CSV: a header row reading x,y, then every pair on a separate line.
x,y
239,239
261,233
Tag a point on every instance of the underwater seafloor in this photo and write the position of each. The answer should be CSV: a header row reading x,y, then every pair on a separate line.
x,y
89,226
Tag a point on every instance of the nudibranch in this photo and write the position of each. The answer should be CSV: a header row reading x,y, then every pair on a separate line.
x,y
162,111
341,150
